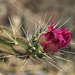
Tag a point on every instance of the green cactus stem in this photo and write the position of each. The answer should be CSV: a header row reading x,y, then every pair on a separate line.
x,y
12,44
9,45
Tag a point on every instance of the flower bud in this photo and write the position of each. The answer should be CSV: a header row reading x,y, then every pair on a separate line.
x,y
54,39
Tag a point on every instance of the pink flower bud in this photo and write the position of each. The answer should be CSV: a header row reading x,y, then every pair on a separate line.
x,y
54,39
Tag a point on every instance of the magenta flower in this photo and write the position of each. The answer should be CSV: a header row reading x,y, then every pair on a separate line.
x,y
54,39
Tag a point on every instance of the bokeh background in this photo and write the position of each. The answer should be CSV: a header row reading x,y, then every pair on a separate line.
x,y
29,13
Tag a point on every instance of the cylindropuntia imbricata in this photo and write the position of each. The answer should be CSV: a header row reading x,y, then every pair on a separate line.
x,y
44,43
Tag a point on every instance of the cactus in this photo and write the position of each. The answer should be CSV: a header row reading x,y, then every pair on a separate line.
x,y
20,46
45,42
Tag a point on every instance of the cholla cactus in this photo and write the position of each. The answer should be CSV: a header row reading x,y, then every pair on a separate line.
x,y
44,43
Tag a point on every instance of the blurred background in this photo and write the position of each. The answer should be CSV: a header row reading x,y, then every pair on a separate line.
x,y
29,13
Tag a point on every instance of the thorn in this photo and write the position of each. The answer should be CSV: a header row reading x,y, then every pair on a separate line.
x,y
30,44
40,52
11,60
64,23
15,42
24,63
35,55
30,51
35,39
8,34
34,48
18,28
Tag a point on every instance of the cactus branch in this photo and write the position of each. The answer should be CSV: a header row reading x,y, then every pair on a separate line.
x,y
8,45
